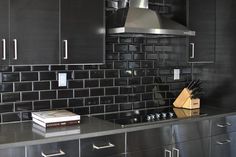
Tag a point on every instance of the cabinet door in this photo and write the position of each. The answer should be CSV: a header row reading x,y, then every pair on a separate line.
x,y
224,145
82,31
13,152
196,148
34,31
4,31
202,19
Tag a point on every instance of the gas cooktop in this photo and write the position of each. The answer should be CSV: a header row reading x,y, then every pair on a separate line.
x,y
141,117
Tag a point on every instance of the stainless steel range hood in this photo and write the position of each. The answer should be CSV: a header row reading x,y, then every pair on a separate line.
x,y
138,20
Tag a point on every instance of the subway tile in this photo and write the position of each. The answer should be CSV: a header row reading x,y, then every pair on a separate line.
x,y
125,56
106,82
75,84
134,65
65,93
96,74
121,47
111,91
106,100
22,68
81,74
82,93
124,107
29,76
150,104
42,105
96,109
54,85
134,48
10,97
139,105
10,77
91,83
111,108
147,80
97,92
107,65
75,67
150,88
126,90
163,87
147,64
151,72
23,106
47,95
76,102
152,40
111,56
121,81
5,68
126,73
120,65
30,96
95,67
11,117
110,47
40,68
126,40
58,67
91,101
82,110
139,56
148,48
134,81
134,97
41,85
139,72
47,76
23,86
56,104
138,40
147,96
111,73
6,87
164,48
121,99
25,116
4,108
110,39
152,56
138,89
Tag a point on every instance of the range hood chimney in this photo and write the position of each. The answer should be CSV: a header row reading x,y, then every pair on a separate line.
x,y
138,20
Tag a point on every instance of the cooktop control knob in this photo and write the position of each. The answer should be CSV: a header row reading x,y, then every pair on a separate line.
x,y
163,114
148,117
171,114
152,116
158,115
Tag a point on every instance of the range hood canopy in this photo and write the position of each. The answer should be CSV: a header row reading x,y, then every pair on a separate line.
x,y
138,20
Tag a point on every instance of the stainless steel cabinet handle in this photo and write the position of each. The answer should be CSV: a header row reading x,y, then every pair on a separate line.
x,y
66,49
110,145
223,142
167,153
177,152
3,49
60,153
193,50
15,49
224,125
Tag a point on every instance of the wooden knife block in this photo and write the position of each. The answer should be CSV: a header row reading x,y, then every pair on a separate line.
x,y
184,100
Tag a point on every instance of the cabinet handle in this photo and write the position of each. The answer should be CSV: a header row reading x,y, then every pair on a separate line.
x,y
60,153
3,49
223,142
177,152
66,49
110,145
193,50
15,49
167,152
224,125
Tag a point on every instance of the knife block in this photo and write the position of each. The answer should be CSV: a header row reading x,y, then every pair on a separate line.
x,y
184,100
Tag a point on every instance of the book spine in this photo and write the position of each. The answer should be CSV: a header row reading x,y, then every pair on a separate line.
x,y
57,124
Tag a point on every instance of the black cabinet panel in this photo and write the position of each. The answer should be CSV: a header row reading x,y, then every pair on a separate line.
x,y
82,27
202,19
35,28
13,152
4,31
223,125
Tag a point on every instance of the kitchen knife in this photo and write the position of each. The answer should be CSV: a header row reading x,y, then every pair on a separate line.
x,y
190,84
195,84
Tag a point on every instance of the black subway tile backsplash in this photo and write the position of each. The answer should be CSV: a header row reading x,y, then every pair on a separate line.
x,y
135,68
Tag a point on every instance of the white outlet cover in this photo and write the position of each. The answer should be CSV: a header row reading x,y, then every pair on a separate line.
x,y
62,79
176,74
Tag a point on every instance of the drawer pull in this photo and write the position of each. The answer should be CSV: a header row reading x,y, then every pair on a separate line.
x,y
167,153
51,155
224,125
110,145
223,142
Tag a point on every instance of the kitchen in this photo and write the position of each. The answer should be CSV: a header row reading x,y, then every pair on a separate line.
x,y
55,55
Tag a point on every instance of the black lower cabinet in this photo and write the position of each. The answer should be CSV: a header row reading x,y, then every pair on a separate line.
x,y
224,145
104,146
65,149
13,152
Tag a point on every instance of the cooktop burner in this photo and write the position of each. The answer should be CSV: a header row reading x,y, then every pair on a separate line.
x,y
138,117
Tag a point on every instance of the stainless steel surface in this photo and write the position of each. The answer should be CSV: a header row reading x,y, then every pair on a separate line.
x,y
66,48
3,49
15,49
110,145
123,3
60,153
138,4
224,125
223,142
13,152
138,20
167,153
192,50
175,151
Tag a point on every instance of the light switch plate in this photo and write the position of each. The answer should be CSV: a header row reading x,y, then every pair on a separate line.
x,y
176,74
62,79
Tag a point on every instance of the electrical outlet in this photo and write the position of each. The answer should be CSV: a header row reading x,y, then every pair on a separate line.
x,y
62,79
176,74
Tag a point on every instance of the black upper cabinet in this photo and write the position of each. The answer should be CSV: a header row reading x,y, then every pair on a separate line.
x,y
82,31
4,31
34,31
202,19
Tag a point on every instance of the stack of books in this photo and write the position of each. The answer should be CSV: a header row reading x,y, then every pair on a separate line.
x,y
55,118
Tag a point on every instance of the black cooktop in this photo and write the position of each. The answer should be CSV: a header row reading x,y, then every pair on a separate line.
x,y
139,117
